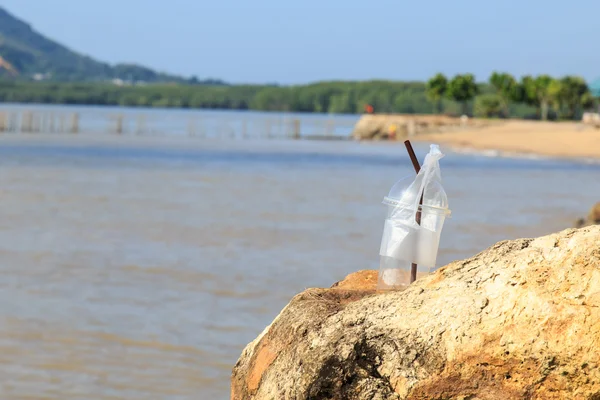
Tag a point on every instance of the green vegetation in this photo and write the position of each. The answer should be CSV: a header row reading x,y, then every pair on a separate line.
x,y
463,89
489,106
536,92
436,90
334,97
507,88
542,97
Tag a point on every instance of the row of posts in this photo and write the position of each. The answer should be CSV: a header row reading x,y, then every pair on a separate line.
x,y
119,126
30,122
51,122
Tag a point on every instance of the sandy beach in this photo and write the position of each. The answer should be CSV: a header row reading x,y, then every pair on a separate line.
x,y
553,139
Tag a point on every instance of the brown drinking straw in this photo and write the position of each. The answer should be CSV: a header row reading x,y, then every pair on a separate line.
x,y
417,166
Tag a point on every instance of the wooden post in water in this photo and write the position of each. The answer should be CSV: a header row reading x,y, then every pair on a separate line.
x,y
21,121
41,119
35,118
2,121
141,124
201,127
75,123
329,128
287,128
268,129
280,126
11,122
49,124
296,129
119,127
192,127
43,122
61,123
26,121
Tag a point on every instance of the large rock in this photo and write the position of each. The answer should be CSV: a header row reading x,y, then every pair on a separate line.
x,y
380,126
520,320
377,127
593,217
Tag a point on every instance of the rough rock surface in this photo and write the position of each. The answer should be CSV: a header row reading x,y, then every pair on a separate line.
x,y
520,320
593,217
361,280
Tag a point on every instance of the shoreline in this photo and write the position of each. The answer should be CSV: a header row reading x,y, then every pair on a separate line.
x,y
524,139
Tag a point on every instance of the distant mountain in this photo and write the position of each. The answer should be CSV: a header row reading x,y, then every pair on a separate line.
x,y
28,55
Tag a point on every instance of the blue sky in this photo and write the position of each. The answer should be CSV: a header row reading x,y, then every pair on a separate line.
x,y
303,41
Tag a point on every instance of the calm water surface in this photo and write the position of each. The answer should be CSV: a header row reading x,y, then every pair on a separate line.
x,y
137,268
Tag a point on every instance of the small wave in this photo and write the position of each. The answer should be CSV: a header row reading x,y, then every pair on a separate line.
x,y
590,161
526,156
477,152
495,153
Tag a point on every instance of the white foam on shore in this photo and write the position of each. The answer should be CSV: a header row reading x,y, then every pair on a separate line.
x,y
471,151
590,161
494,153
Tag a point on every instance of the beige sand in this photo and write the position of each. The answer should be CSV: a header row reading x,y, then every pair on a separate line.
x,y
555,139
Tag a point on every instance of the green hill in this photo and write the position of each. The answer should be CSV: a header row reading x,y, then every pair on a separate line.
x,y
26,55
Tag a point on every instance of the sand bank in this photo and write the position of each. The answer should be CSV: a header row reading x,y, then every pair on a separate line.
x,y
553,139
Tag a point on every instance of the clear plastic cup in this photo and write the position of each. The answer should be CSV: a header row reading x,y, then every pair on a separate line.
x,y
404,241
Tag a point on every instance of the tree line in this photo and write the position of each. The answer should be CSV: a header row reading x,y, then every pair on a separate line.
x,y
564,98
503,96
